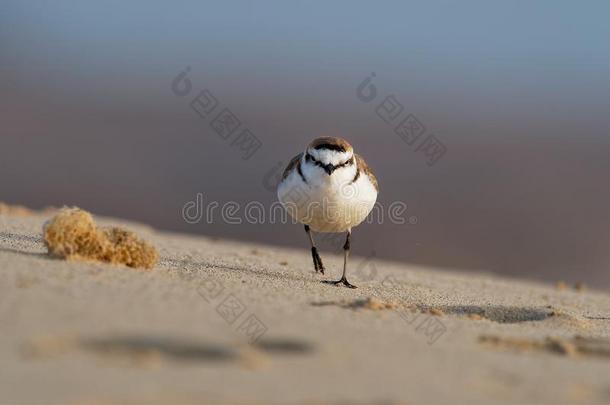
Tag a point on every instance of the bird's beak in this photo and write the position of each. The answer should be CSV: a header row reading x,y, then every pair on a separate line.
x,y
329,169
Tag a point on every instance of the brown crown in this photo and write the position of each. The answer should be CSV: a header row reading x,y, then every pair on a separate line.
x,y
328,142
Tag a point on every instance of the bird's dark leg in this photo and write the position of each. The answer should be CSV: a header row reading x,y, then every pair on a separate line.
x,y
346,249
317,260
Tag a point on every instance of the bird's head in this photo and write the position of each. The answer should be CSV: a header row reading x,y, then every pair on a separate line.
x,y
330,153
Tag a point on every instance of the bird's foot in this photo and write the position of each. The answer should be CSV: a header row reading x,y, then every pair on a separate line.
x,y
317,260
342,281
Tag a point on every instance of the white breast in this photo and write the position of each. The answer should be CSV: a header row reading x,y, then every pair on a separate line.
x,y
327,203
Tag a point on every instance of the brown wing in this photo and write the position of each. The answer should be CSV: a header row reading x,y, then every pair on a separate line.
x,y
364,168
291,165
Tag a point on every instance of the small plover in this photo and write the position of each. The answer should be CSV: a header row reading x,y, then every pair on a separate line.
x,y
328,188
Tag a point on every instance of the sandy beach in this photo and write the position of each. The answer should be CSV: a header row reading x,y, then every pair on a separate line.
x,y
219,321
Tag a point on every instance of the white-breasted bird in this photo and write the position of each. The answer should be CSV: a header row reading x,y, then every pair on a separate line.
x,y
328,188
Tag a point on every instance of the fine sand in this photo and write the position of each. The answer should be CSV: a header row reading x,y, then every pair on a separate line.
x,y
225,322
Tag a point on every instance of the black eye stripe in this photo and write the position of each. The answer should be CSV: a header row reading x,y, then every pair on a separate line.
x,y
327,167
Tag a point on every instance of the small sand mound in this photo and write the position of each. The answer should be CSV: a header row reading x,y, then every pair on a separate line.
x,y
372,303
568,347
72,234
550,344
21,211
16,210
569,321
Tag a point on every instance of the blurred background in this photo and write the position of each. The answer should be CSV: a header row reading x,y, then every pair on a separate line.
x,y
519,94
